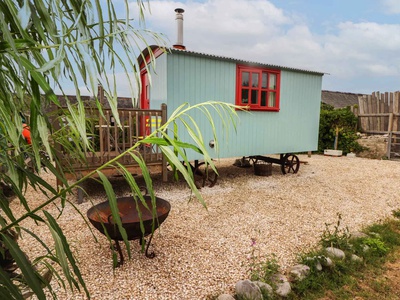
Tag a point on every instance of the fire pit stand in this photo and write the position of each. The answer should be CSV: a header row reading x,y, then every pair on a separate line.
x,y
130,212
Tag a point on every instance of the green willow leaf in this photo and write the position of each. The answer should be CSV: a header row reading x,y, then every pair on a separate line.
x,y
114,209
28,273
65,253
7,289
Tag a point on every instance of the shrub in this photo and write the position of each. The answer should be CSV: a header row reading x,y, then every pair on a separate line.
x,y
346,121
338,237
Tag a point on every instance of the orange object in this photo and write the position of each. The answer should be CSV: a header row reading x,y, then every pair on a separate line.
x,y
26,132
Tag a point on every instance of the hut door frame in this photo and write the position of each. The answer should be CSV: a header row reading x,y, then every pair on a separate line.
x,y
145,103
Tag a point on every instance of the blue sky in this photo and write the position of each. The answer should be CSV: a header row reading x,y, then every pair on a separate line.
x,y
356,41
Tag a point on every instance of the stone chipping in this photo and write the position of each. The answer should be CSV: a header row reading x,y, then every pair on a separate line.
x,y
203,252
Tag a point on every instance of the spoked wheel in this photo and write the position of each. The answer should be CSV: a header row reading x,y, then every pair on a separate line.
x,y
204,175
291,164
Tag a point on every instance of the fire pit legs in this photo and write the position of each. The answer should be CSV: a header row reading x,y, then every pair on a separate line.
x,y
121,257
148,255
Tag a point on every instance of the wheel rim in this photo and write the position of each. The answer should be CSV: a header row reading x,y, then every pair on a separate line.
x,y
291,164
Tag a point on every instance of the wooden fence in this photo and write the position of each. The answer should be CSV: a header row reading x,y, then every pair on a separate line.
x,y
379,113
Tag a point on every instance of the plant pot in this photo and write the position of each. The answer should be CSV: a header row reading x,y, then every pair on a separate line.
x,y
331,152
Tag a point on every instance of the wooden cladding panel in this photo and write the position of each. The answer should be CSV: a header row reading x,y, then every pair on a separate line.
x,y
379,112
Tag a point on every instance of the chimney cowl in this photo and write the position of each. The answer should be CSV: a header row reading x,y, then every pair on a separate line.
x,y
179,22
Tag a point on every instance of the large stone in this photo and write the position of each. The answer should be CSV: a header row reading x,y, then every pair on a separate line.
x,y
282,285
265,288
283,289
225,297
335,252
356,258
245,289
325,261
316,261
299,272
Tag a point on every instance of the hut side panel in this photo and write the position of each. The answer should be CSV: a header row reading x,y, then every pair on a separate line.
x,y
196,79
158,82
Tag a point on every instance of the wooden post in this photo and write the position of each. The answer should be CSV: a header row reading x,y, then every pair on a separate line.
x,y
100,96
336,138
362,103
389,145
164,161
396,120
396,111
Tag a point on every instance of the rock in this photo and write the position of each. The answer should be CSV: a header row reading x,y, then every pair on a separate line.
x,y
318,265
299,272
225,297
316,261
335,252
282,286
245,289
356,258
326,261
358,235
283,289
265,288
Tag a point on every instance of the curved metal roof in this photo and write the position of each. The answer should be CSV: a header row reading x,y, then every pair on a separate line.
x,y
146,51
246,62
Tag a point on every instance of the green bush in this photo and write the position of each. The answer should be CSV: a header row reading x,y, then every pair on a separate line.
x,y
346,121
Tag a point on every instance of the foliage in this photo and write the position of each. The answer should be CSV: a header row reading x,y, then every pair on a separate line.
x,y
43,44
346,122
396,213
340,280
338,238
264,270
374,248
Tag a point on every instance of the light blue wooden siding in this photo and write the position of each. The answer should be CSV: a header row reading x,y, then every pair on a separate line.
x,y
158,82
294,128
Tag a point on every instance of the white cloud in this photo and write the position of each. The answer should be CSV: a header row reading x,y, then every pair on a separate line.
x,y
257,30
391,6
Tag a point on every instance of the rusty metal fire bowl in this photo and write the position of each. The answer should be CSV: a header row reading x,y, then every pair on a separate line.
x,y
101,218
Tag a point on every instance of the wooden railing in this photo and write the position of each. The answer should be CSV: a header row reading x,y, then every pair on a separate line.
x,y
108,141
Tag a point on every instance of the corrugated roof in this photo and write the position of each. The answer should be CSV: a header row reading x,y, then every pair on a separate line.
x,y
247,62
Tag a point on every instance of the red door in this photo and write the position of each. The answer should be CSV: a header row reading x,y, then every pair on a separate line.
x,y
145,103
145,94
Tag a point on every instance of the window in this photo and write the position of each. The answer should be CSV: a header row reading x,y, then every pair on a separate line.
x,y
257,88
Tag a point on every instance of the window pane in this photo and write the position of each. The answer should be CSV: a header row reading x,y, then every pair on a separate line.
x,y
264,80
271,99
272,81
254,77
245,96
245,78
254,96
263,98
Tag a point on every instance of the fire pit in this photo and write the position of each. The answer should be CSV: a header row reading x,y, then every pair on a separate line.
x,y
101,218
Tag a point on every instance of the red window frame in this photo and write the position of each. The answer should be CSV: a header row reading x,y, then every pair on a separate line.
x,y
257,88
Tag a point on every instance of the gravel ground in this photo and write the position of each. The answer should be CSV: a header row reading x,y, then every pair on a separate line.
x,y
201,252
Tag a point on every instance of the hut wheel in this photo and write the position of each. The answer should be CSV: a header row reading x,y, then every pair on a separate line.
x,y
291,164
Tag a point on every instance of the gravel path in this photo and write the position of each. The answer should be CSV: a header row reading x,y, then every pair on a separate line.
x,y
202,253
